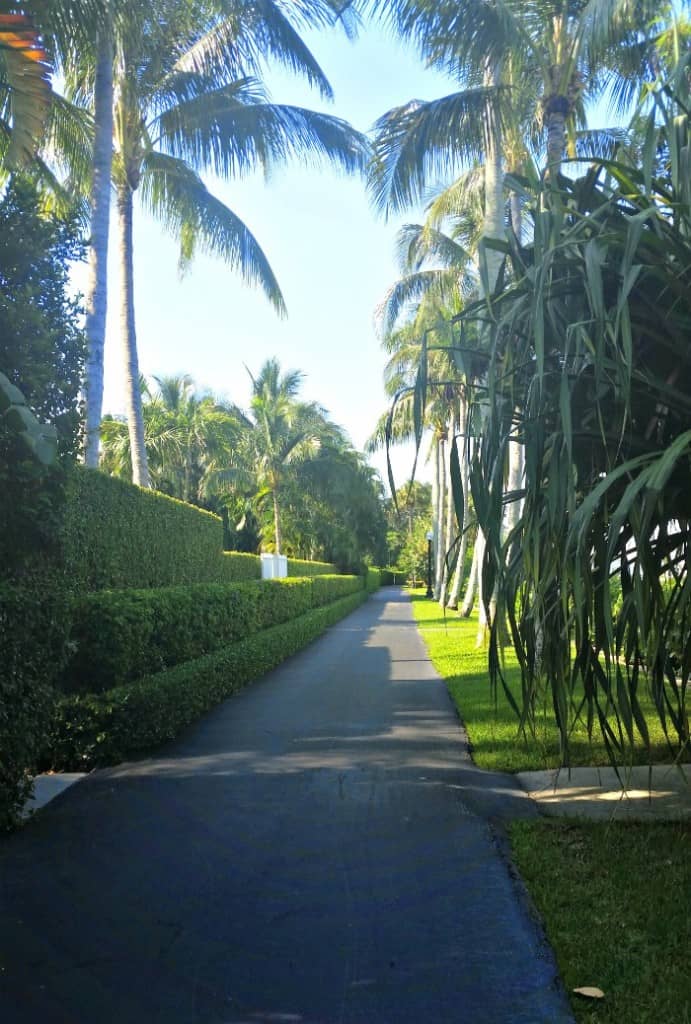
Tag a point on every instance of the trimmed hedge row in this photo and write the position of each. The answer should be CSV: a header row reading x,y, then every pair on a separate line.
x,y
372,579
116,535
118,636
301,567
238,565
33,622
99,729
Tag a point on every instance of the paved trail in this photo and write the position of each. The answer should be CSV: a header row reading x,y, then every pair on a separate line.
x,y
317,850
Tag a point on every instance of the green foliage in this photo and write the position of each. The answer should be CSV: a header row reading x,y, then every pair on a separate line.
x,y
238,565
587,369
188,434
33,610
496,740
118,636
117,536
302,567
372,579
326,589
99,729
408,520
41,345
33,625
121,635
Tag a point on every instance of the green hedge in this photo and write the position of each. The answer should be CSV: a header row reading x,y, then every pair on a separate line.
x,y
118,636
116,535
326,589
238,565
372,579
301,567
99,729
33,625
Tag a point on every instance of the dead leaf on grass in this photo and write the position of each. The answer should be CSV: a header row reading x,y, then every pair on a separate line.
x,y
590,992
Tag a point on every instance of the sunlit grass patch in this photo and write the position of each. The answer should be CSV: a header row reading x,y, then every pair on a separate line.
x,y
615,903
492,727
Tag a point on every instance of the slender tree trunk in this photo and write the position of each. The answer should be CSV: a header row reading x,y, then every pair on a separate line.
x,y
450,511
493,226
435,502
556,136
513,509
277,523
463,459
135,416
441,518
471,586
97,284
480,548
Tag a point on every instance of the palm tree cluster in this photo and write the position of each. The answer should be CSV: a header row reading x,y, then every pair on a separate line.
x,y
156,96
282,475
544,300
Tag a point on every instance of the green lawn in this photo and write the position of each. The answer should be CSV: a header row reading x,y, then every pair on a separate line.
x,y
615,902
615,898
493,730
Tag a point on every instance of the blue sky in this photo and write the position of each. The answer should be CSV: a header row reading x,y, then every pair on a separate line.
x,y
333,257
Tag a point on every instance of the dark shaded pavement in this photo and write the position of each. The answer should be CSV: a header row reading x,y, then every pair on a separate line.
x,y
316,850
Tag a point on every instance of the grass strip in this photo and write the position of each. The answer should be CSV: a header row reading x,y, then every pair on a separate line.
x,y
492,727
615,902
614,897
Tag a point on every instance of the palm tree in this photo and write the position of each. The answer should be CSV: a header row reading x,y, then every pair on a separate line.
x,y
189,435
184,105
286,432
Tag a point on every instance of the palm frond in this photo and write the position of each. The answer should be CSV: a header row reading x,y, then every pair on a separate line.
x,y
227,134
422,142
25,71
180,200
249,35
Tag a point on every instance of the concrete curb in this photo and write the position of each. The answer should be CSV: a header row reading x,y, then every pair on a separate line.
x,y
47,787
662,793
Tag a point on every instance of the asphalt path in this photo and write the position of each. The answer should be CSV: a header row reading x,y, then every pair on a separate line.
x,y
319,849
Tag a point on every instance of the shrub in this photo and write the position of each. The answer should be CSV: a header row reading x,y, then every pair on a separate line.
x,y
33,623
301,567
120,635
326,589
372,579
98,729
237,565
33,611
117,535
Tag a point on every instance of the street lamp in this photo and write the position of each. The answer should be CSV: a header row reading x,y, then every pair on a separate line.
x,y
430,537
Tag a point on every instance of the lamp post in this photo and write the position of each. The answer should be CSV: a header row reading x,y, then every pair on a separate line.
x,y
430,537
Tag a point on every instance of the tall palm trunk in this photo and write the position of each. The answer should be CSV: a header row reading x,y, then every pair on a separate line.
x,y
97,284
450,529
435,502
441,517
135,417
277,522
471,586
457,581
555,123
493,226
